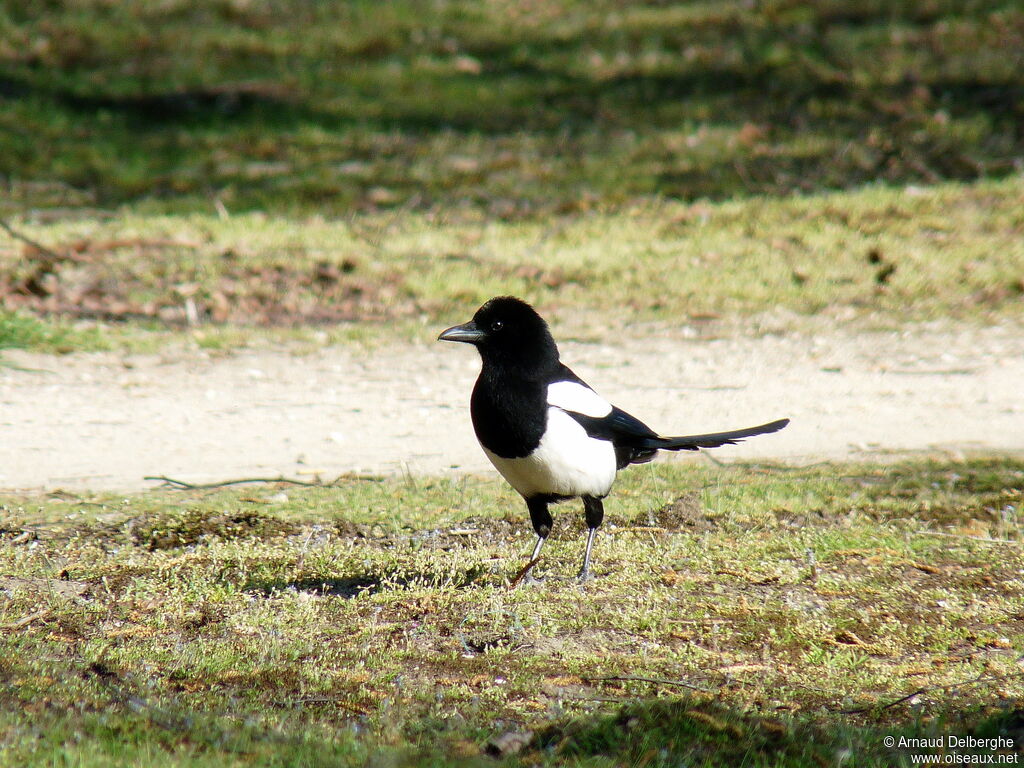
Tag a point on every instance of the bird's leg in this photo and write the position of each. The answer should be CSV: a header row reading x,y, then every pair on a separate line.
x,y
585,574
536,549
542,522
593,510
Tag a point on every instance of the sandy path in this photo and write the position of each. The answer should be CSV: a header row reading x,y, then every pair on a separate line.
x,y
105,422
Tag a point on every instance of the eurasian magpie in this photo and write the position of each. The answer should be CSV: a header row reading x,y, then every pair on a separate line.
x,y
549,434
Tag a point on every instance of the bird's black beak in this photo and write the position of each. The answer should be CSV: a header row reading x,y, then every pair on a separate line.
x,y
467,332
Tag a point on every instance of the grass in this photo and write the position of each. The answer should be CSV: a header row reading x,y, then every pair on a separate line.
x,y
20,330
514,110
371,623
876,256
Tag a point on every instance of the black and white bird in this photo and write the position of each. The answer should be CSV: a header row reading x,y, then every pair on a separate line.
x,y
550,435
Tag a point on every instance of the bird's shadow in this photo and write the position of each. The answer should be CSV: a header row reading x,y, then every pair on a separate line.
x,y
347,588
364,584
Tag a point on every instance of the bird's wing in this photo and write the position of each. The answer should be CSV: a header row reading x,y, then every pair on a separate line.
x,y
574,396
634,440
617,426
596,415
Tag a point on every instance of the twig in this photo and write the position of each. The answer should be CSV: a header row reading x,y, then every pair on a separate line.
x,y
24,622
935,372
828,691
29,241
872,708
742,173
373,240
376,239
12,367
608,699
986,539
708,457
929,689
652,680
522,574
181,485
106,315
323,700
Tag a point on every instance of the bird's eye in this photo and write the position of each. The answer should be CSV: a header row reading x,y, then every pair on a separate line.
x,y
497,325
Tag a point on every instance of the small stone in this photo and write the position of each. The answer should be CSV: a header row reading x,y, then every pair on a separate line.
x,y
509,743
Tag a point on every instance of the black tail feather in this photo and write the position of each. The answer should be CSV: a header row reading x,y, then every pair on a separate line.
x,y
712,440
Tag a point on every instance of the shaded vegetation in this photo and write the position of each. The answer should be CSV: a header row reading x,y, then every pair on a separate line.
x,y
515,108
371,623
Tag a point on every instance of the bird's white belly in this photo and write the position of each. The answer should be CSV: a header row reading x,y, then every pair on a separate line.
x,y
568,462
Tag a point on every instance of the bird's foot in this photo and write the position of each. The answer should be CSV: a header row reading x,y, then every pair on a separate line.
x,y
585,576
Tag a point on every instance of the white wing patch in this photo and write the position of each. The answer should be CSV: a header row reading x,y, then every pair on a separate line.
x,y
573,396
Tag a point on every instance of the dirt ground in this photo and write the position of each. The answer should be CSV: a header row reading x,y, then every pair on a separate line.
x,y
106,421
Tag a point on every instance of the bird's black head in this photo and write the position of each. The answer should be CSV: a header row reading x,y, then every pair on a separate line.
x,y
510,334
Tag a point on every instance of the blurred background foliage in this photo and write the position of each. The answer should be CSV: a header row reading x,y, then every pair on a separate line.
x,y
517,108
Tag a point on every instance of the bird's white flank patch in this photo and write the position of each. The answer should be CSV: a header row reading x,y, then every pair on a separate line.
x,y
568,462
573,396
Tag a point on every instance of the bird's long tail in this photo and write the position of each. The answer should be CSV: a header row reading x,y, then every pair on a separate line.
x,y
714,439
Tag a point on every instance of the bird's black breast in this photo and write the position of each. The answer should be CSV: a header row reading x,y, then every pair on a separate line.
x,y
509,414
